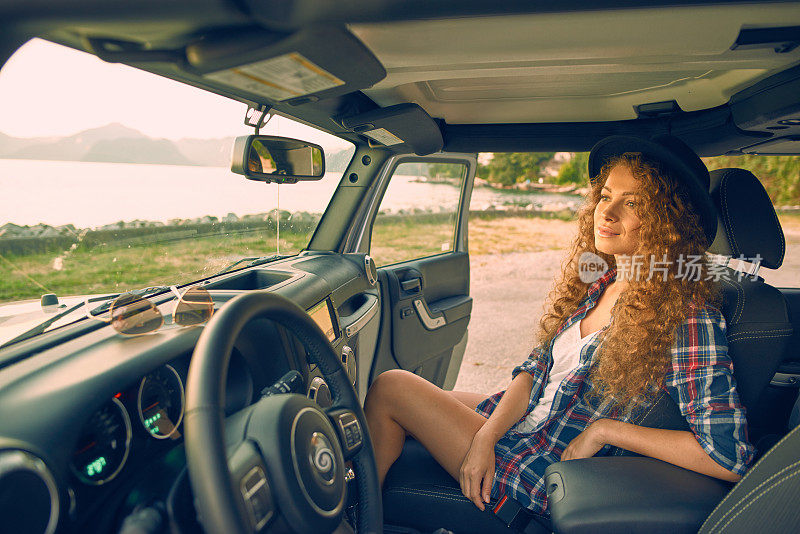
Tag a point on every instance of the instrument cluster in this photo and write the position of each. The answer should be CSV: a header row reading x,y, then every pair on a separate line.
x,y
155,408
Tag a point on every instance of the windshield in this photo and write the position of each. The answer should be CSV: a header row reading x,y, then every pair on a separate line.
x,y
114,179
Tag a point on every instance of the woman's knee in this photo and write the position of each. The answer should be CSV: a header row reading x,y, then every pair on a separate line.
x,y
389,387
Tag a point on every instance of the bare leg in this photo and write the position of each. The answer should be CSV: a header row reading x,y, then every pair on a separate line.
x,y
400,403
468,398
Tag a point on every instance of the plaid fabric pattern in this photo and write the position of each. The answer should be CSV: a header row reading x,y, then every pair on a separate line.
x,y
700,380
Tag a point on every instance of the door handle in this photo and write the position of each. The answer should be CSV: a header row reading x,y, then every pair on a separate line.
x,y
431,323
370,308
411,285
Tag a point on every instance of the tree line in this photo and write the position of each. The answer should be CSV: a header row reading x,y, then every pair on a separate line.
x,y
780,175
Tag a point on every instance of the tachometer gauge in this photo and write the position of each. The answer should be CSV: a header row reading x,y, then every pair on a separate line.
x,y
160,403
104,444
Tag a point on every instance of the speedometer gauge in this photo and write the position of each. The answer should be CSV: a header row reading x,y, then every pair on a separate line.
x,y
104,444
160,403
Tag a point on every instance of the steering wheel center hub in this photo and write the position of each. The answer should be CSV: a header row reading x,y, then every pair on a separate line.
x,y
321,458
318,461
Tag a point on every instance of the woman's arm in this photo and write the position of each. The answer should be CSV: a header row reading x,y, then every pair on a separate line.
x,y
677,447
510,409
477,469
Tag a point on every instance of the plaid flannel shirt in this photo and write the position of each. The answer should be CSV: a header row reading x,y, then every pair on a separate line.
x,y
700,380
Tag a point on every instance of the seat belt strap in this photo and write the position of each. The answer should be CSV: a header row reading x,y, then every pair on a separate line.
x,y
512,513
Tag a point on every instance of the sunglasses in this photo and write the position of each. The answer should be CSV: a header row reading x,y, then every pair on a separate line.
x,y
132,314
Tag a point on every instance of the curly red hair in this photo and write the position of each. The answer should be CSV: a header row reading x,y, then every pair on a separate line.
x,y
635,349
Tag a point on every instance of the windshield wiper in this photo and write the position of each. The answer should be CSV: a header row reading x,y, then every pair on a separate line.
x,y
106,299
252,262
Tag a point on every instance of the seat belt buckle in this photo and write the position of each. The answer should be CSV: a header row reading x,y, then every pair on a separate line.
x,y
512,513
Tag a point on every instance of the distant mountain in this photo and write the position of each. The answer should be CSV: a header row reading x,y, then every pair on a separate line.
x,y
9,145
120,144
137,150
207,152
114,130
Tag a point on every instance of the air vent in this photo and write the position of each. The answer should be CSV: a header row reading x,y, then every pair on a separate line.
x,y
28,494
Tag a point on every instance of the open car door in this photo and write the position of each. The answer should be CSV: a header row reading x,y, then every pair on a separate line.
x,y
423,264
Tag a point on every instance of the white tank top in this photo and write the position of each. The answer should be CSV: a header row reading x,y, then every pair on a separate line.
x,y
566,357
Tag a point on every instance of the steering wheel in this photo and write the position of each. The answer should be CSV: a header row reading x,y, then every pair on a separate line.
x,y
284,449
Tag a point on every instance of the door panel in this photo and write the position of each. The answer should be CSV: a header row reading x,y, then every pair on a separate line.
x,y
430,306
425,301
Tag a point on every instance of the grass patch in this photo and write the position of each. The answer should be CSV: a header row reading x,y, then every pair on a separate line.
x,y
111,268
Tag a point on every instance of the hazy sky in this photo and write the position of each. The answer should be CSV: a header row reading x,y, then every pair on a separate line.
x,y
47,89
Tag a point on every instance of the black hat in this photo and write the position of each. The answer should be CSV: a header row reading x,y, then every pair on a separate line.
x,y
676,156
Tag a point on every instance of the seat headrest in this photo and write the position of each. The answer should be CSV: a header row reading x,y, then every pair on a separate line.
x,y
748,225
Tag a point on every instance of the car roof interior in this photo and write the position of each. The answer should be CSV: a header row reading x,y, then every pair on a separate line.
x,y
471,76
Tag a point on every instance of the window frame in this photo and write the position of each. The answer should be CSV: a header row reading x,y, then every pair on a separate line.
x,y
362,240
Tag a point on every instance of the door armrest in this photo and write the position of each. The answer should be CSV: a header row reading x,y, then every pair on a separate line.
x,y
623,494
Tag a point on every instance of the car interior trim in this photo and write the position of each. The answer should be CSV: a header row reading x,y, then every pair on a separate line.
x,y
13,460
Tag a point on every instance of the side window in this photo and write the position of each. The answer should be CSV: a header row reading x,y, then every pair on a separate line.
x,y
419,212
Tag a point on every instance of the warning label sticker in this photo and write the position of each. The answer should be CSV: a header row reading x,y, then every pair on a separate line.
x,y
384,136
279,78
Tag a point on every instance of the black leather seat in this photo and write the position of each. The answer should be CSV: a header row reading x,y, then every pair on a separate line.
x,y
757,316
420,494
765,500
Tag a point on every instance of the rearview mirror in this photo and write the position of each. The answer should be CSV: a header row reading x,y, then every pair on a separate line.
x,y
268,158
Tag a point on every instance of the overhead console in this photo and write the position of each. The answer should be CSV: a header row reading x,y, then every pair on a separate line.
x,y
771,107
404,126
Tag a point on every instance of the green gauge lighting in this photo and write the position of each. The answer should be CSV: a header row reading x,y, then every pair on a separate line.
x,y
96,467
151,423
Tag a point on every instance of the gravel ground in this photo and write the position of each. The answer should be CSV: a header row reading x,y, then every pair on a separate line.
x,y
509,291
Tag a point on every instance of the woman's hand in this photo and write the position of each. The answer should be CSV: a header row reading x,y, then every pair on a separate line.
x,y
587,443
477,470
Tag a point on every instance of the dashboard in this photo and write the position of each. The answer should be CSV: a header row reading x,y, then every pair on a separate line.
x,y
92,420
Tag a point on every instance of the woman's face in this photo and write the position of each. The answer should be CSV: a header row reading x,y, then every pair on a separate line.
x,y
616,225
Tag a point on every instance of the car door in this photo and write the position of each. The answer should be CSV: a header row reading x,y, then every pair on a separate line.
x,y
417,233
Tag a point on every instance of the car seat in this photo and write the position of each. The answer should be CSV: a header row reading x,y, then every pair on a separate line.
x,y
766,498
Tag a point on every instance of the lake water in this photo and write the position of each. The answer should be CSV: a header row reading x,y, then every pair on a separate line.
x,y
89,194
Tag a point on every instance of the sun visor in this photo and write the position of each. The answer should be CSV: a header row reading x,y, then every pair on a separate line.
x,y
401,127
312,64
783,146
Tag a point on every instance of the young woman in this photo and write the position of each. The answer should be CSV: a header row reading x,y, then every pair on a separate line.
x,y
608,346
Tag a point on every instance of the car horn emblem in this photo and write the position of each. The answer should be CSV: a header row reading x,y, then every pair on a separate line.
x,y
321,458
